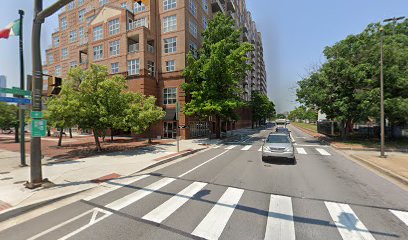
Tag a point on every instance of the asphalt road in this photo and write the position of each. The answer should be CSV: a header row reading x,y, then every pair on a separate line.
x,y
229,193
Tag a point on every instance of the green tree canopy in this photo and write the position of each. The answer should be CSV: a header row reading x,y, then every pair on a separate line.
x,y
262,108
8,116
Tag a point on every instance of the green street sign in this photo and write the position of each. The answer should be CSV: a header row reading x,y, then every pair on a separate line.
x,y
38,128
38,115
16,91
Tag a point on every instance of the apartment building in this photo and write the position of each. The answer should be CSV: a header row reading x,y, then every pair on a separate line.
x,y
147,44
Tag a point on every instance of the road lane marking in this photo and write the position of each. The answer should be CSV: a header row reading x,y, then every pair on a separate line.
x,y
230,147
403,216
202,164
246,148
212,226
293,140
348,224
217,146
163,211
323,152
280,224
260,149
301,150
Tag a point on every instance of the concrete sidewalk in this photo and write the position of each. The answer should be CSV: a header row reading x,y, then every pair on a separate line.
x,y
73,176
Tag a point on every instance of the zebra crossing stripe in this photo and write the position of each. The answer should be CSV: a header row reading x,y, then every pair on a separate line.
x,y
301,150
217,146
280,224
348,224
246,148
403,216
323,152
230,147
163,211
214,223
260,149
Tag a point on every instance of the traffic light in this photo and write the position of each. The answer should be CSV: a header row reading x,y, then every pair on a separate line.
x,y
54,86
145,2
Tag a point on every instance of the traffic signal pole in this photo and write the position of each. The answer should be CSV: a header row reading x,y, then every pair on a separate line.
x,y
36,178
21,111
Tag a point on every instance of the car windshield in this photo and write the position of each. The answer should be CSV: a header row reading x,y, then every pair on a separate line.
x,y
277,139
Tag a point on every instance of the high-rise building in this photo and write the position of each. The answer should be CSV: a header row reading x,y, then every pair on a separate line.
x,y
3,84
148,45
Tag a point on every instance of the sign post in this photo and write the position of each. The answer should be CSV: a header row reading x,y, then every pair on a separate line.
x,y
178,129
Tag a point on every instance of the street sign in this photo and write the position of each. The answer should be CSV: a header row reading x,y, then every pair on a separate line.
x,y
15,100
38,128
16,91
37,114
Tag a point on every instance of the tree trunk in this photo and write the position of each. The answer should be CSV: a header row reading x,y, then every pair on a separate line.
x,y
252,124
111,133
150,135
49,132
60,137
343,129
217,127
98,144
70,133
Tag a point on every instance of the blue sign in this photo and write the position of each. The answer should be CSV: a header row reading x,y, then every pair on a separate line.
x,y
15,100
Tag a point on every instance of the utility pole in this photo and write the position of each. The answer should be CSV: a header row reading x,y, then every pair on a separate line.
x,y
36,179
21,111
382,148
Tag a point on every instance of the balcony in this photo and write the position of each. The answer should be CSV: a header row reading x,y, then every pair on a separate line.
x,y
231,6
150,48
142,22
217,6
133,48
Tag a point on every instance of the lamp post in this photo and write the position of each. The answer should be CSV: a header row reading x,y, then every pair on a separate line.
x,y
382,120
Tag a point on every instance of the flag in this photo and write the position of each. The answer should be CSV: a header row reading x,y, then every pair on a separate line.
x,y
12,29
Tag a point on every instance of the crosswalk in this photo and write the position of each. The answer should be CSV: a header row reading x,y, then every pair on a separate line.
x,y
299,150
280,220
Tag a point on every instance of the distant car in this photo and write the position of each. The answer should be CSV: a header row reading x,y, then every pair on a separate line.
x,y
278,146
282,130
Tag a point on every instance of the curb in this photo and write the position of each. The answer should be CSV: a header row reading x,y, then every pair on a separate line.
x,y
382,170
16,211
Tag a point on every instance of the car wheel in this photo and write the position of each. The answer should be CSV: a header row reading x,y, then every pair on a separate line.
x,y
263,159
293,161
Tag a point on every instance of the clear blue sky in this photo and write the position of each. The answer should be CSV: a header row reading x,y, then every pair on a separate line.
x,y
294,35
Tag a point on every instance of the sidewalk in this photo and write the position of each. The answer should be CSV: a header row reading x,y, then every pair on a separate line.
x,y
394,166
73,176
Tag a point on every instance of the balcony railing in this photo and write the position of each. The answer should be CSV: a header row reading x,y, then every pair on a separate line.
x,y
133,48
138,23
150,48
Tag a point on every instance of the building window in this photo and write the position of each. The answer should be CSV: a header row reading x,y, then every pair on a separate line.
x,y
98,52
205,6
56,41
193,8
73,64
193,49
171,66
50,58
169,4
98,33
170,45
137,8
72,36
80,2
64,53
58,71
114,68
114,26
134,67
193,28
205,22
103,2
114,48
71,5
64,23
150,68
81,32
170,23
170,96
81,15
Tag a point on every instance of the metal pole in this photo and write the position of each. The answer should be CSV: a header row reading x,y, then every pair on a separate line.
x,y
21,111
382,97
36,171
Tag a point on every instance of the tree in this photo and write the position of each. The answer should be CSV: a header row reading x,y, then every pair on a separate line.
x,y
214,74
8,116
262,108
280,116
62,109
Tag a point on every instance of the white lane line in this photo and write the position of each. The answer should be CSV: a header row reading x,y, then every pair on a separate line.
x,y
230,147
293,140
163,211
312,145
217,146
301,150
403,216
209,160
348,224
323,152
246,140
280,224
214,223
246,148
260,149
